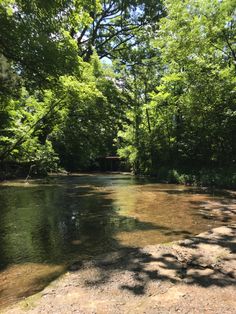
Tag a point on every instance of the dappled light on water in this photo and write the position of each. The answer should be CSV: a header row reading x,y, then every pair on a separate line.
x,y
47,224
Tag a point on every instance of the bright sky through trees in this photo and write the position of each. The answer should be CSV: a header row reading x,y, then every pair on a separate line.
x,y
150,81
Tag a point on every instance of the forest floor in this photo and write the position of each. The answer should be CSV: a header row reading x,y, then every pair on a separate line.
x,y
197,275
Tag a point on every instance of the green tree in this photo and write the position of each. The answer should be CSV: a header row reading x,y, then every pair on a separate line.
x,y
191,114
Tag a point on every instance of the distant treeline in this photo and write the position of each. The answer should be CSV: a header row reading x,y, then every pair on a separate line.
x,y
150,81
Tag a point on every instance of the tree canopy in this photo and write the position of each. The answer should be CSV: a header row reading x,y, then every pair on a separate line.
x,y
150,81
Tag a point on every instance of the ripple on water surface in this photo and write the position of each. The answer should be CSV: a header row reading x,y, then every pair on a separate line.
x,y
46,224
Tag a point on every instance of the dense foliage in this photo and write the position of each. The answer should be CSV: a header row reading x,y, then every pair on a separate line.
x,y
152,81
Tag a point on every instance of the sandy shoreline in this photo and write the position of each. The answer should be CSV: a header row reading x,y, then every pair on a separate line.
x,y
197,275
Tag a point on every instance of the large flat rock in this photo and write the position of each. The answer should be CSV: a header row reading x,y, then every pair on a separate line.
x,y
197,275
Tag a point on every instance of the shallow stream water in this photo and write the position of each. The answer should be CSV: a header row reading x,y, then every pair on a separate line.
x,y
47,224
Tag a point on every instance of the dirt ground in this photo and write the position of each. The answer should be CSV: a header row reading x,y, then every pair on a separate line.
x,y
197,275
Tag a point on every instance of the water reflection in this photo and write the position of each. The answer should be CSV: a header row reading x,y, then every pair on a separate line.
x,y
48,224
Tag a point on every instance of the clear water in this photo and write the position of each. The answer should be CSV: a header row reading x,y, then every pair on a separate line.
x,y
47,224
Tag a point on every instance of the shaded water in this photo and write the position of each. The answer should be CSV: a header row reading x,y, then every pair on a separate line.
x,y
44,225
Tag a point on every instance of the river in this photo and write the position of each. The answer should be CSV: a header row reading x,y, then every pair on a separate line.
x,y
47,224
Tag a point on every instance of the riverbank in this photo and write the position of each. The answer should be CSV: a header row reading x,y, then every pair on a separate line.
x,y
197,275
213,178
221,178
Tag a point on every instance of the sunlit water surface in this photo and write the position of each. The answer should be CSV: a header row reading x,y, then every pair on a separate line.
x,y
47,224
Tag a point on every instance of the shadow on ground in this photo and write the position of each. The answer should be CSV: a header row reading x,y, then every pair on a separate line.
x,y
51,225
206,260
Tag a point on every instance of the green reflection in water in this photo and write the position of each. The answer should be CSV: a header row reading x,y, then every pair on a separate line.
x,y
45,223
66,218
